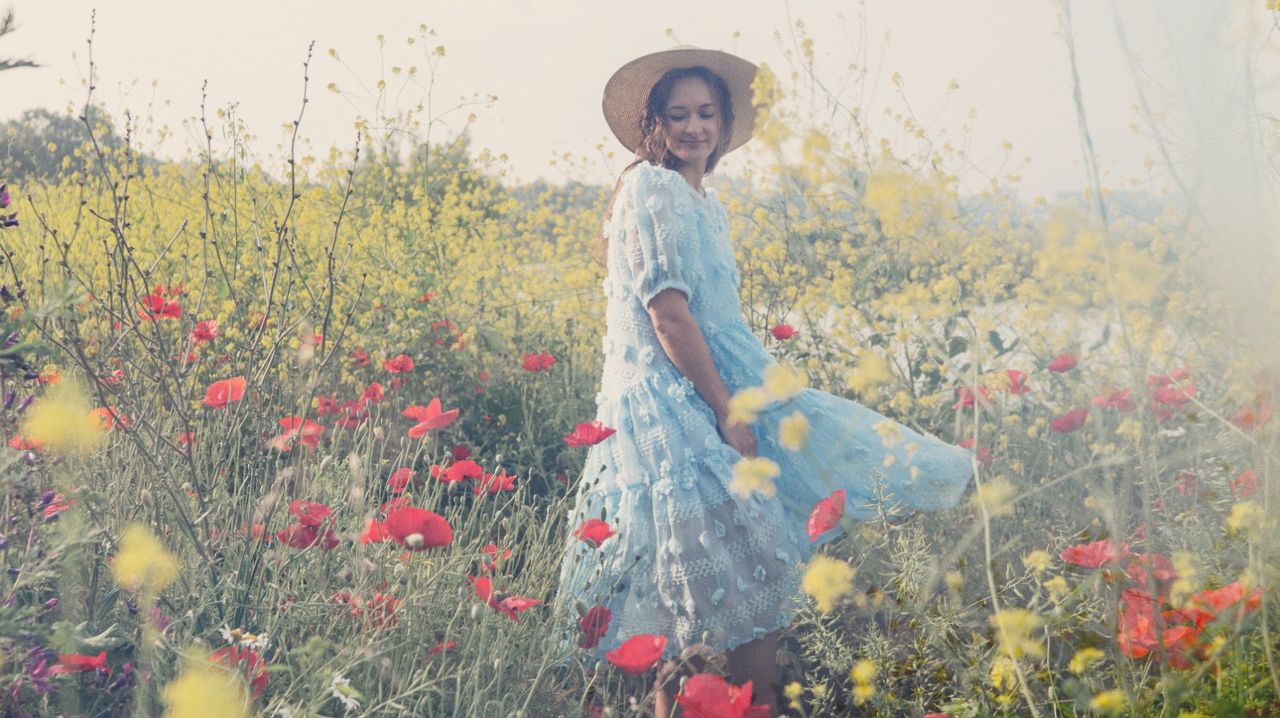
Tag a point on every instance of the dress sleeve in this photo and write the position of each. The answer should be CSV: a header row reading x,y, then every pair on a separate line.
x,y
660,239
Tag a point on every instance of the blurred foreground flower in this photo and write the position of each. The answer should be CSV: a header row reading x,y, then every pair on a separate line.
x,y
706,695
754,474
589,434
63,421
204,690
827,579
638,653
143,563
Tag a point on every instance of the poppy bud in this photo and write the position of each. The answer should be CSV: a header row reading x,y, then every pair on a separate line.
x,y
475,612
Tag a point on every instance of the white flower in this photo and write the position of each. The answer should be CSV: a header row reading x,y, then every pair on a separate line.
x,y
340,688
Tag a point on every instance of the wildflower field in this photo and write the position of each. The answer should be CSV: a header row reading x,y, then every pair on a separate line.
x,y
301,437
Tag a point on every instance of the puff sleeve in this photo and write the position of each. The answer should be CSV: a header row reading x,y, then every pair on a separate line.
x,y
659,241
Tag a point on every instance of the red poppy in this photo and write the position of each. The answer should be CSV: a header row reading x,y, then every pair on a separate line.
x,y
398,364
1245,485
249,662
460,452
826,514
56,505
782,331
509,605
309,513
417,528
205,331
186,437
110,417
706,695
303,536
374,532
594,625
399,480
373,392
493,483
326,405
395,503
443,646
492,550
22,443
429,418
593,532
538,362
359,358
376,612
426,296
297,429
457,471
1095,554
351,415
154,306
638,653
220,393
1186,483
1155,569
1248,418
589,434
1016,379
1218,600
965,397
1117,399
78,663
1065,361
1070,421
983,453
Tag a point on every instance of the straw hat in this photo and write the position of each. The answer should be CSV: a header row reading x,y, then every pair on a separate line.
x,y
626,93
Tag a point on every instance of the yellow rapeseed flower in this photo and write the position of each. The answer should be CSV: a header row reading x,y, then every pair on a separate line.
x,y
863,671
1037,561
754,474
63,420
1057,588
827,579
143,563
745,405
871,373
204,690
1245,515
1015,628
781,382
1084,658
890,432
1111,702
993,495
792,431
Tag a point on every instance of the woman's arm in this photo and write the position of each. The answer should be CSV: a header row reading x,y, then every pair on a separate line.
x,y
682,339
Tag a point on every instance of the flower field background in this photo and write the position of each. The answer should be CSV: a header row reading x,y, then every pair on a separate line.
x,y
300,437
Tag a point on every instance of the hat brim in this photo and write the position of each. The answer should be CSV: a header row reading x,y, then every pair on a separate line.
x,y
627,91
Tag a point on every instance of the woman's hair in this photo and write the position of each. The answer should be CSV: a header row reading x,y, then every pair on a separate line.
x,y
653,148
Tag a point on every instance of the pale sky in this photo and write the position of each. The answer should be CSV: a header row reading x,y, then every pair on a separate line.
x,y
547,62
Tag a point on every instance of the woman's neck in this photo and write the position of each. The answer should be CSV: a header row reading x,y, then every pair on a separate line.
x,y
693,175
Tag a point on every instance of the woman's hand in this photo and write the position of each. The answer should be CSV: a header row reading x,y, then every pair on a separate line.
x,y
739,436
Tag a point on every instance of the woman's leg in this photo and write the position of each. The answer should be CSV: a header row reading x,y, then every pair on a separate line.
x,y
757,661
664,690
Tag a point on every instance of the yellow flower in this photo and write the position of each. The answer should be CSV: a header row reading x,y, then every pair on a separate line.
x,y
1057,588
890,432
993,495
1245,515
746,404
793,691
1084,658
781,382
792,431
143,563
1111,702
827,579
63,420
1014,629
754,473
204,690
954,581
863,671
1037,561
871,372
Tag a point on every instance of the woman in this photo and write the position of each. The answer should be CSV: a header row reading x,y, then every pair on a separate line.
x,y
693,560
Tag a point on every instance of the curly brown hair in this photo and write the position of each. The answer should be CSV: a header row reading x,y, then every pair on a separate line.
x,y
653,148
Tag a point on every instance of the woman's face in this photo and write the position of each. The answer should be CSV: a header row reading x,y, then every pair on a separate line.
x,y
692,121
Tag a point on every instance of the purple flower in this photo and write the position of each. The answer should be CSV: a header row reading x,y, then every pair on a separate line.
x,y
4,196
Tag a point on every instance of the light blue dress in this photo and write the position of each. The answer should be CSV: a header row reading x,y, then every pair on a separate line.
x,y
690,557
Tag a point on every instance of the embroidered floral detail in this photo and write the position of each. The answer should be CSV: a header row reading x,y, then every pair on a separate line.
x,y
712,441
704,538
759,573
742,585
686,480
782,555
663,488
653,203
739,518
717,597
676,391
646,355
720,528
